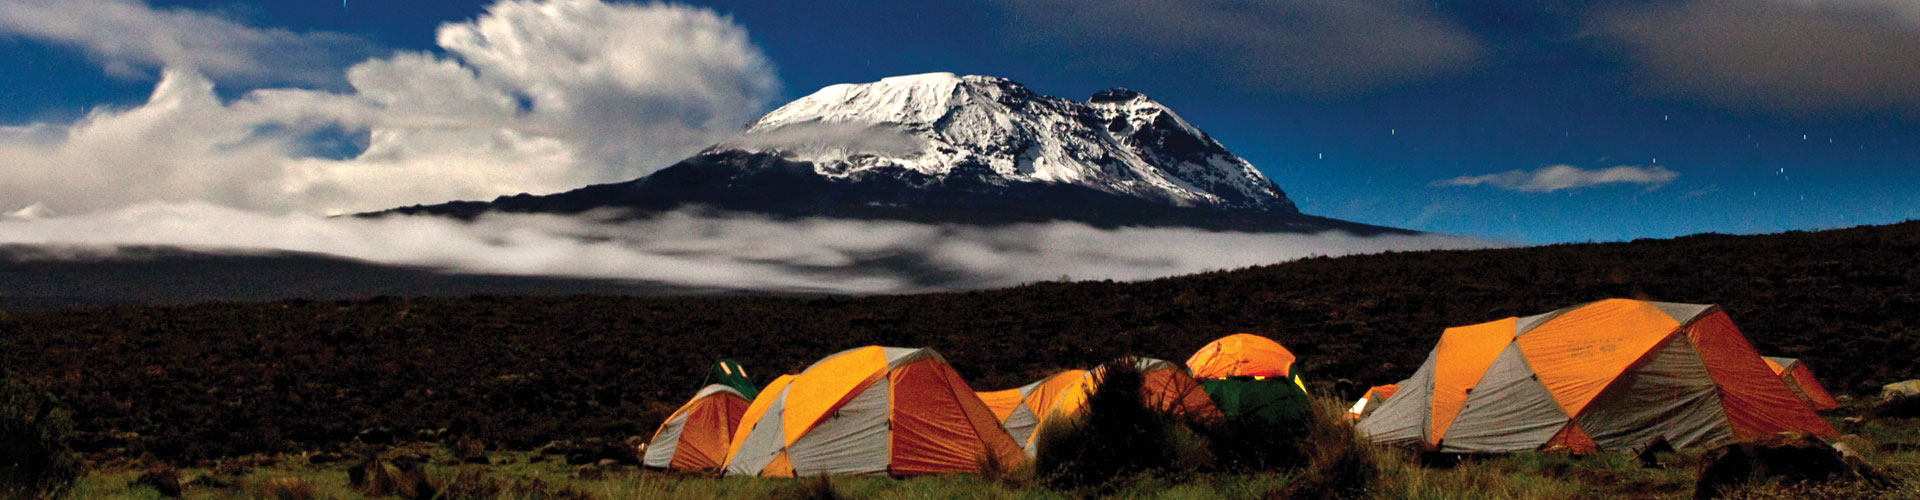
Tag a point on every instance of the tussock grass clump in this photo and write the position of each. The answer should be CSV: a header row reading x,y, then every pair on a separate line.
x,y
476,484
286,488
1821,490
1118,437
813,488
1339,462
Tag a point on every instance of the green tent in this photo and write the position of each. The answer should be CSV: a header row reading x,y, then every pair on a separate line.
x,y
1269,401
729,372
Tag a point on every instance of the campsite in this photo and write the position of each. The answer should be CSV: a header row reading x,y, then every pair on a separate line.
x,y
528,397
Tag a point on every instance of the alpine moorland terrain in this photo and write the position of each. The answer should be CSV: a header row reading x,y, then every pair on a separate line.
x,y
222,379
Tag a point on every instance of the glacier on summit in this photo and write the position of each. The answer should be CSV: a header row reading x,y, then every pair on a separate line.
x,y
938,124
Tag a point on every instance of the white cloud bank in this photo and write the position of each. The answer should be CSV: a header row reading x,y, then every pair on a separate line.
x,y
704,251
533,96
129,39
1562,177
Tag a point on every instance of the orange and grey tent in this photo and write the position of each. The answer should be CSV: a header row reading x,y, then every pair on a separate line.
x,y
1032,403
873,411
698,434
1374,397
1800,378
1611,375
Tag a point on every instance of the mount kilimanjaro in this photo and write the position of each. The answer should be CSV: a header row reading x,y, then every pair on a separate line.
x,y
955,149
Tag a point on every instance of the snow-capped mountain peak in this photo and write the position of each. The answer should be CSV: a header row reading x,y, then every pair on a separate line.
x,y
994,131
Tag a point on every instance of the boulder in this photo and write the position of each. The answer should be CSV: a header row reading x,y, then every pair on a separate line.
x,y
1791,457
1899,399
165,480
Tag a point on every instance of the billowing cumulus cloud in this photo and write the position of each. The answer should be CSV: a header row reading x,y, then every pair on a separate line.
x,y
707,251
534,96
1330,47
130,39
1561,177
1791,57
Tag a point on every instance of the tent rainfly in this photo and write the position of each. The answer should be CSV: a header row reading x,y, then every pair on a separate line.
x,y
1374,397
1611,375
1020,410
1800,378
1252,378
698,434
870,411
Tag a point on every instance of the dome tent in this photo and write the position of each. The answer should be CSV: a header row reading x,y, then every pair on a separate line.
x,y
1252,379
1610,375
1800,378
870,411
698,434
1375,396
1026,406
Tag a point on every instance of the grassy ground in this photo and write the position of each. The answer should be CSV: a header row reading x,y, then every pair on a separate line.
x,y
1522,476
1892,445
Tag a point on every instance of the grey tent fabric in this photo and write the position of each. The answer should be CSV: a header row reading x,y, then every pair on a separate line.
x,y
1683,313
852,440
660,451
1021,423
763,442
1402,420
1668,394
1507,411
1529,322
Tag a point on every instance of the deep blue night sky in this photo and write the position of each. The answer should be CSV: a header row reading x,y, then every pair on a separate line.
x,y
1773,115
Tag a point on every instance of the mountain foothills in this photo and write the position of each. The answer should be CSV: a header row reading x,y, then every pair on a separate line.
x,y
966,149
232,378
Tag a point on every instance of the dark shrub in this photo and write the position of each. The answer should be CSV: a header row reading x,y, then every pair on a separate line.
x,y
36,435
1339,462
1787,458
1117,436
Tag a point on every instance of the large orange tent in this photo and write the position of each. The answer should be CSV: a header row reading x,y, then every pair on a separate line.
x,y
1610,375
1031,403
873,411
1800,378
698,434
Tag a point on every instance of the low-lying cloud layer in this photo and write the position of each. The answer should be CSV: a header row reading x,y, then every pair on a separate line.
x,y
697,250
1561,177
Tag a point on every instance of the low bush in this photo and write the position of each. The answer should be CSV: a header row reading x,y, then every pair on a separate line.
x,y
1118,436
36,435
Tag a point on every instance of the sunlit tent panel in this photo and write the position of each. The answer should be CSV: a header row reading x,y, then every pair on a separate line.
x,y
1610,375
